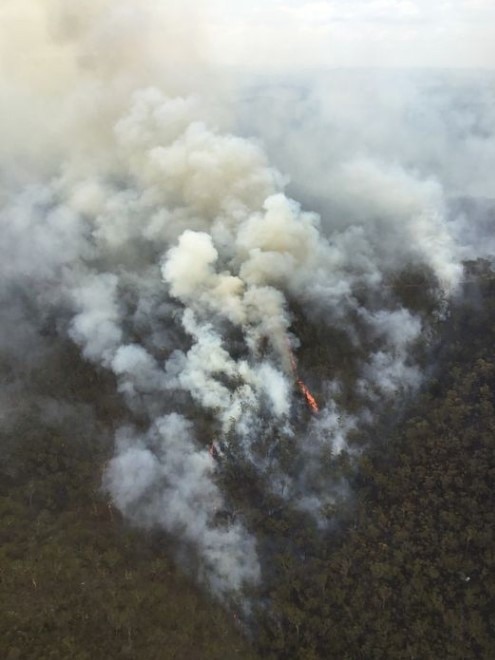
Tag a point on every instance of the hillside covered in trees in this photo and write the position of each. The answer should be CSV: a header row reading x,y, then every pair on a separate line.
x,y
405,570
410,571
246,335
75,581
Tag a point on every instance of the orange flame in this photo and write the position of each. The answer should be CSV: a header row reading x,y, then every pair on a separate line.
x,y
311,401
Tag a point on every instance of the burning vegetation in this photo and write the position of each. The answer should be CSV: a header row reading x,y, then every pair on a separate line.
x,y
308,397
169,254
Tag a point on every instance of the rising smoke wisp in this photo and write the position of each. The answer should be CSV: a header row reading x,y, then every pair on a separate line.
x,y
171,253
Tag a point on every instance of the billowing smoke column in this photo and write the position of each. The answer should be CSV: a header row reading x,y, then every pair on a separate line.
x,y
168,251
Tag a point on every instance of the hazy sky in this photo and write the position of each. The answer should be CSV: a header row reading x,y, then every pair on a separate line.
x,y
289,34
271,35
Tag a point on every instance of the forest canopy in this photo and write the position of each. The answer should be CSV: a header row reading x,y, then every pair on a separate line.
x,y
407,569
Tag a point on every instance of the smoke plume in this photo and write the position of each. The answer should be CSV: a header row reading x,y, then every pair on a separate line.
x,y
170,251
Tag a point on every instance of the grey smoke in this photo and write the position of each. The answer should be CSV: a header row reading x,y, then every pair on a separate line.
x,y
163,478
154,237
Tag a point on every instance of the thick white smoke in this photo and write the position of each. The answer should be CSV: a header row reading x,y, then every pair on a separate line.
x,y
163,478
169,251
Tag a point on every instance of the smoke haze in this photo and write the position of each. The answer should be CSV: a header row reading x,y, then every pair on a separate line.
x,y
148,215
